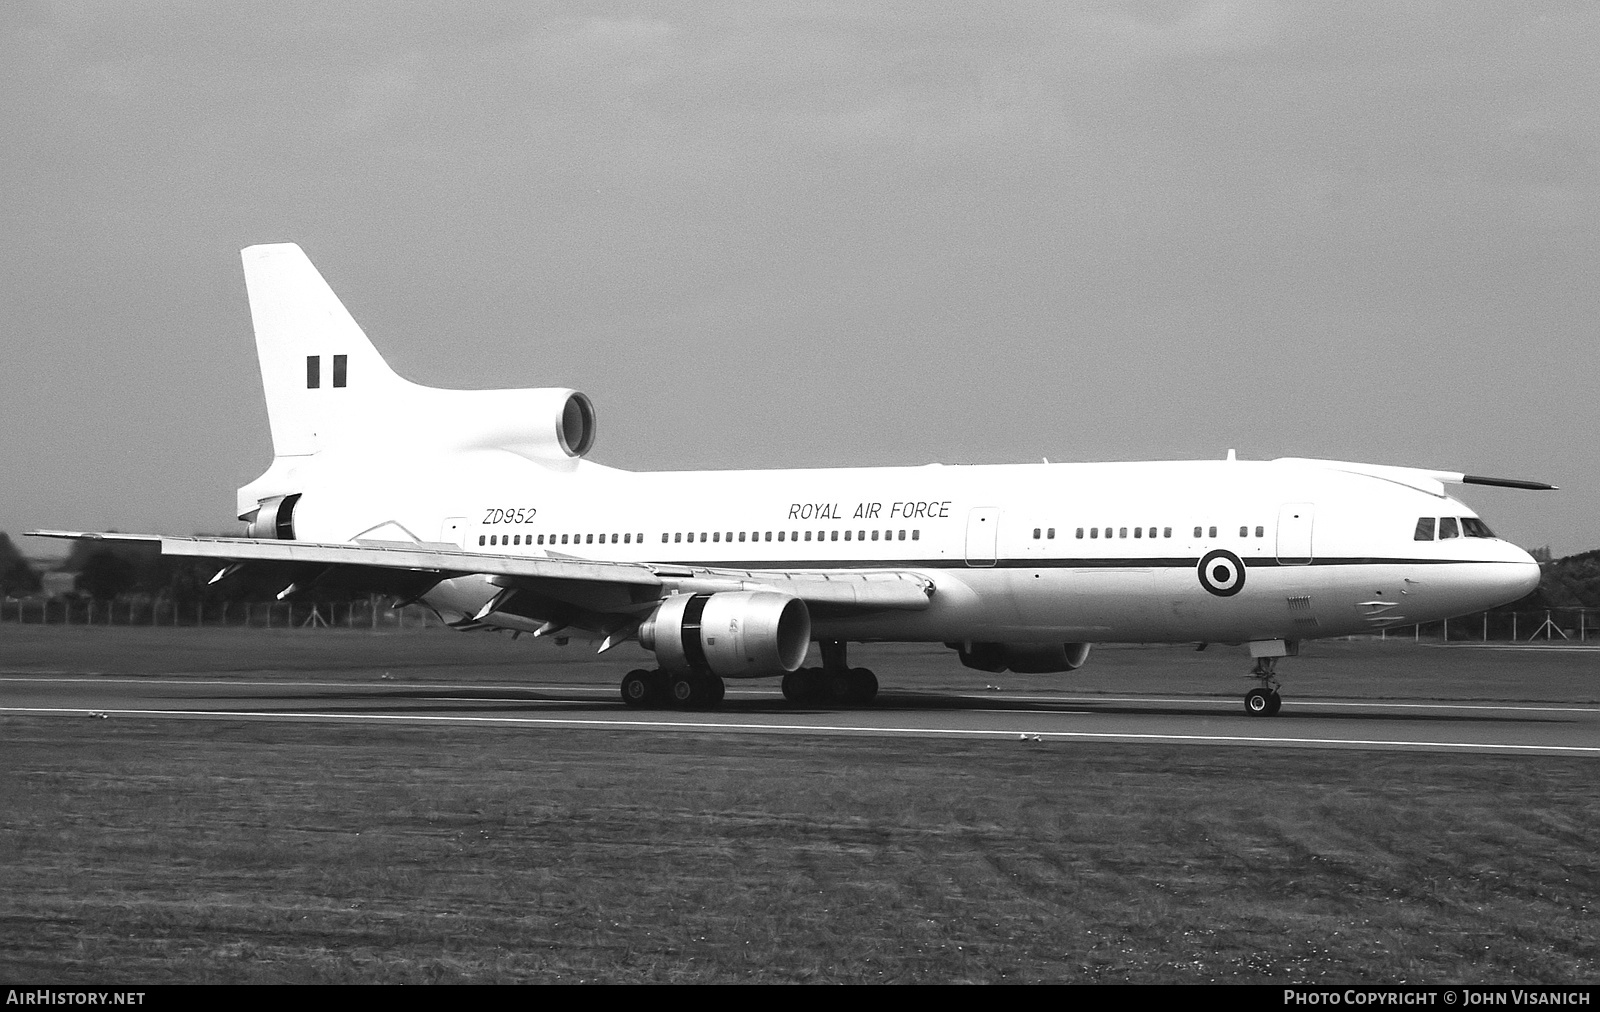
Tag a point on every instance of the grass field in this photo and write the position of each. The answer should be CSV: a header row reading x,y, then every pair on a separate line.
x,y
166,851
1365,669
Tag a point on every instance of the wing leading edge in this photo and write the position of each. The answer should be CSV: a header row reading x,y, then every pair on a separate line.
x,y
609,587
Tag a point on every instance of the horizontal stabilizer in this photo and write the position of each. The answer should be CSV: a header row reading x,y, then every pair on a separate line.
x,y
1478,479
1420,478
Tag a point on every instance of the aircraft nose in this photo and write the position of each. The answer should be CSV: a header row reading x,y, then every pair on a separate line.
x,y
1525,575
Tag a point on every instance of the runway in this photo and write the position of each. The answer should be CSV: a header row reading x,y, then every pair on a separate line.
x,y
758,708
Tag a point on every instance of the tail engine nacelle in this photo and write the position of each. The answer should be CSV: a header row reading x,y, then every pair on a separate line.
x,y
1024,658
744,634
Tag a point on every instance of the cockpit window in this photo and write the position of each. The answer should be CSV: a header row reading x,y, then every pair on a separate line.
x,y
1476,528
1424,529
1447,528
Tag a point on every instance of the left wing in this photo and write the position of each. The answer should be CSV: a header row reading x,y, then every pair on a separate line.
x,y
602,589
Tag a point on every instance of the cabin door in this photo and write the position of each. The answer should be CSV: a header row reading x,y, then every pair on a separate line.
x,y
983,534
1294,533
454,532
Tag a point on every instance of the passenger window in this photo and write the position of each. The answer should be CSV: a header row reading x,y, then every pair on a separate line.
x,y
564,538
1094,532
516,539
902,535
847,535
1424,530
716,536
677,537
1213,532
780,535
1050,535
874,535
1244,532
1166,532
835,537
916,534
741,535
1197,532
1447,528
769,535
1122,532
627,539
1138,532
1080,534
1036,532
663,537
482,539
1261,532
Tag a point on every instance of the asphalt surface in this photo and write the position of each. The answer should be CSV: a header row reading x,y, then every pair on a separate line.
x,y
754,708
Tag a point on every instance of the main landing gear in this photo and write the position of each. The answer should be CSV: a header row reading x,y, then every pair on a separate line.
x,y
1264,701
685,691
834,683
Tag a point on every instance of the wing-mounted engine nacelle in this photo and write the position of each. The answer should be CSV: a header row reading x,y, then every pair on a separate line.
x,y
1024,658
744,634
272,518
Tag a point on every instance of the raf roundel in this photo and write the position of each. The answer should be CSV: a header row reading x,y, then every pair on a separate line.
x,y
1222,573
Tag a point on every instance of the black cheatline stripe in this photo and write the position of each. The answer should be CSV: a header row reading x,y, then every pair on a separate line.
x,y
961,564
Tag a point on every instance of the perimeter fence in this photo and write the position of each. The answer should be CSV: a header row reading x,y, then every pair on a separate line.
x,y
373,614
1556,625
1571,625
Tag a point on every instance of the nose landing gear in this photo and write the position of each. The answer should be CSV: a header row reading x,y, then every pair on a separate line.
x,y
1264,701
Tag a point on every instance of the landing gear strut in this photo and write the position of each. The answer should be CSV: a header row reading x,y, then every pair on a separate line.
x,y
834,683
1264,701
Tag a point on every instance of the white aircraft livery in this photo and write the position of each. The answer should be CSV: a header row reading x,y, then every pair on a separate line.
x,y
484,506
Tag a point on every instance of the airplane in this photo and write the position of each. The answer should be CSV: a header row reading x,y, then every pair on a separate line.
x,y
484,506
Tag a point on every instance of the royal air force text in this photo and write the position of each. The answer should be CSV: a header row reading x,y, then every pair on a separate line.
x,y
870,511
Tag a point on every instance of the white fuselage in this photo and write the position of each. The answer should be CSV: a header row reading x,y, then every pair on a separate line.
x,y
1017,553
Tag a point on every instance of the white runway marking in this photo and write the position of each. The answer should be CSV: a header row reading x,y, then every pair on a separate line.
x,y
606,691
675,725
1304,700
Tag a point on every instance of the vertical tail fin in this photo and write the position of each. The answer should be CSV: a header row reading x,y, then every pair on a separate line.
x,y
316,363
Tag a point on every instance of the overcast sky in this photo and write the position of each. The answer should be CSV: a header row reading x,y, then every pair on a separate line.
x,y
766,236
